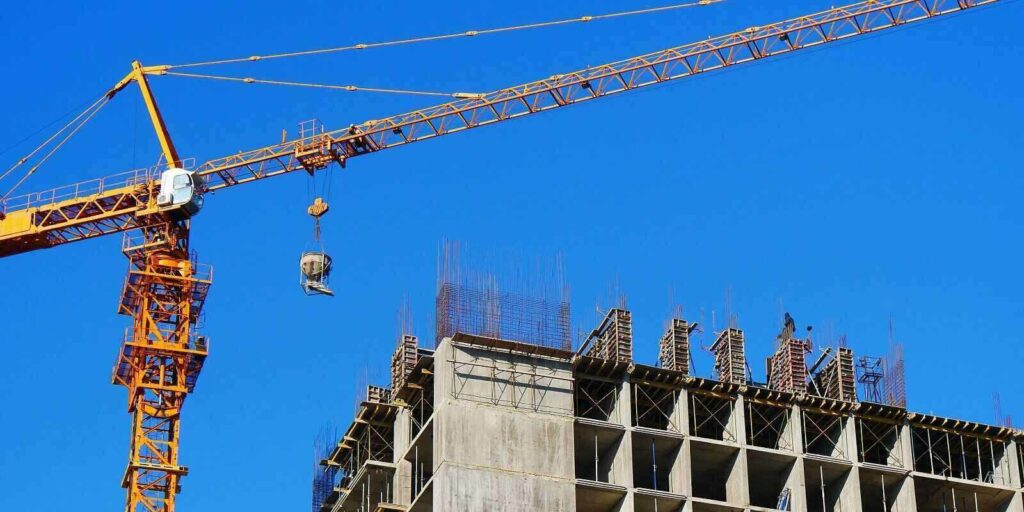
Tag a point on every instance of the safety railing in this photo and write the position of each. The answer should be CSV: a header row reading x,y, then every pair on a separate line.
x,y
86,188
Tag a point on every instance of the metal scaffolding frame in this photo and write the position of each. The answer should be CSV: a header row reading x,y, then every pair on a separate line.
x,y
369,501
595,398
510,386
711,417
824,429
421,408
767,426
958,455
654,407
879,442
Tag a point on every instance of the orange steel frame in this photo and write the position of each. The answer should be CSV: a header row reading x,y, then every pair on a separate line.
x,y
162,354
160,359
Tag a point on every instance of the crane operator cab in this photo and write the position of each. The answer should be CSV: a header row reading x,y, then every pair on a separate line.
x,y
178,193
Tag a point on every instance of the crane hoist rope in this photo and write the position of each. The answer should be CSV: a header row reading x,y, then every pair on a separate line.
x,y
454,35
348,88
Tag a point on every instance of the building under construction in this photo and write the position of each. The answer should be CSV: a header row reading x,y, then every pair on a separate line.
x,y
503,414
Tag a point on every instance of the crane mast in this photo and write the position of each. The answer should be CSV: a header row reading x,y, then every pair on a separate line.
x,y
162,354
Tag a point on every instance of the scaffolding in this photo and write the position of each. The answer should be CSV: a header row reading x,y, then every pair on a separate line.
x,y
954,454
711,416
768,425
324,475
871,379
674,348
520,382
879,442
730,357
824,434
612,340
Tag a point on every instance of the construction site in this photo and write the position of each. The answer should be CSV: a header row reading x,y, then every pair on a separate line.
x,y
500,411
505,400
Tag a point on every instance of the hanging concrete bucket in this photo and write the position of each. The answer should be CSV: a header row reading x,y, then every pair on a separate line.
x,y
315,268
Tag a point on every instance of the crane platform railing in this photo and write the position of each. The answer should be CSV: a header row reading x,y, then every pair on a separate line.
x,y
87,188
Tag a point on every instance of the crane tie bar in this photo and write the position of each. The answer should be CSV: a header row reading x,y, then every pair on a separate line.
x,y
467,33
347,88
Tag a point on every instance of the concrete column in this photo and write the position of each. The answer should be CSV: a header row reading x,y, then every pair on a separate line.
x,y
796,421
402,483
1013,449
797,484
740,414
683,406
737,488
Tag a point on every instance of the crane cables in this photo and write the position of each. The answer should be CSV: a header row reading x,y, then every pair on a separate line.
x,y
64,134
467,33
71,128
168,70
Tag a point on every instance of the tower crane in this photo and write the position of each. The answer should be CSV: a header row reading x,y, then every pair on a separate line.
x,y
162,354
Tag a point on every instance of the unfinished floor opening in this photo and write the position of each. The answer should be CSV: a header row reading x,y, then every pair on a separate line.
x,y
770,479
655,407
711,416
824,434
596,452
938,495
960,455
768,425
826,486
880,490
656,464
715,471
596,399
879,442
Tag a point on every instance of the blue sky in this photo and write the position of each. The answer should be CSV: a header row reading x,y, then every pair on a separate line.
x,y
851,185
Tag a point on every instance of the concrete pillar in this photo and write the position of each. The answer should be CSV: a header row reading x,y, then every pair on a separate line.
x,y
740,413
796,420
402,483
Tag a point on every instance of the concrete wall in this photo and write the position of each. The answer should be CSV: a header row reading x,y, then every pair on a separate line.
x,y
503,431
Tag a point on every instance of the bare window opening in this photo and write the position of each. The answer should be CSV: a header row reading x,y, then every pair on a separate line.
x,y
960,456
712,467
598,499
1020,462
595,451
654,407
879,490
769,479
768,426
596,399
421,459
711,417
824,434
825,484
421,406
934,495
878,442
655,462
